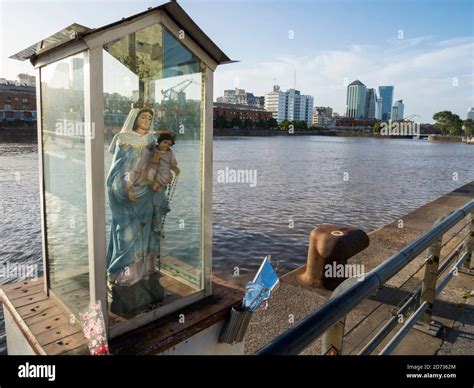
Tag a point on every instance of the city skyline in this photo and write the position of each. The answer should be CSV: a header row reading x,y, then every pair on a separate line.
x,y
416,47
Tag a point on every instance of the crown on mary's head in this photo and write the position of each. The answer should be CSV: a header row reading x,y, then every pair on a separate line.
x,y
142,105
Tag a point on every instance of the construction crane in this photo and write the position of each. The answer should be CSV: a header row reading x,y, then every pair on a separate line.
x,y
174,93
410,118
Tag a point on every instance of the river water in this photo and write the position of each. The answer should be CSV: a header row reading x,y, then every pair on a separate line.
x,y
297,183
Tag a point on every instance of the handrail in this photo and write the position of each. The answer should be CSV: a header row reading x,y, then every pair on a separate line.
x,y
296,339
388,327
405,329
393,343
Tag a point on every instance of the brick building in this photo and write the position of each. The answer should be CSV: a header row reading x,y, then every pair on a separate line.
x,y
17,97
354,122
229,111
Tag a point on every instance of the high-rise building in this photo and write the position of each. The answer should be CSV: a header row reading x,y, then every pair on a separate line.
x,y
386,92
259,102
470,114
60,78
241,97
322,115
378,108
356,92
275,102
369,111
26,79
290,105
398,110
77,76
305,110
394,113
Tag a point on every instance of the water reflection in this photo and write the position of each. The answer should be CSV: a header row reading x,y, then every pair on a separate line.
x,y
299,179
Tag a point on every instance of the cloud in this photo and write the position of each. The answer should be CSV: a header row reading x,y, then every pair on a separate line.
x,y
428,75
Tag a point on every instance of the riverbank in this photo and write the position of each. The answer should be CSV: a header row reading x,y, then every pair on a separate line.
x,y
277,132
445,138
219,132
24,134
18,134
454,307
329,132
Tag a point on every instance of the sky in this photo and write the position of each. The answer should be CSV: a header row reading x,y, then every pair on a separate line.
x,y
423,48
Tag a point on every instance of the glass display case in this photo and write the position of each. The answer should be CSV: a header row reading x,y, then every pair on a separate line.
x,y
154,195
125,125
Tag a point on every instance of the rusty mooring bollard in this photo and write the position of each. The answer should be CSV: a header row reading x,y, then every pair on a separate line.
x,y
331,245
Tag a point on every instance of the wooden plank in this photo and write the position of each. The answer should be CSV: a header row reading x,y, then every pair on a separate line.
x,y
58,334
175,332
21,325
41,320
35,308
74,295
76,276
20,292
50,323
69,287
168,331
43,315
65,276
67,344
29,299
172,261
79,304
52,333
165,281
226,283
7,288
202,321
180,289
177,268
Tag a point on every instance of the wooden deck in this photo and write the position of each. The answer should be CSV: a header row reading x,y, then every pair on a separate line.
x,y
73,286
49,330
168,331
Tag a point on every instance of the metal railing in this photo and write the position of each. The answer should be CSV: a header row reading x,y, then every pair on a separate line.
x,y
329,317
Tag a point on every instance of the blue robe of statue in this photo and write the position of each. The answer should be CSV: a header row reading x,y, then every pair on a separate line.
x,y
134,243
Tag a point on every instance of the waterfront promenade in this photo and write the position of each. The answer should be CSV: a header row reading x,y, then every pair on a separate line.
x,y
454,307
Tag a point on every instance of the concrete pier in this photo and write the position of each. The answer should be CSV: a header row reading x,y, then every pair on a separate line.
x,y
454,307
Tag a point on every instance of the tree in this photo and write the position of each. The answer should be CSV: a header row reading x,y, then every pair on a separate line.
x,y
469,127
261,124
221,122
248,123
300,125
236,122
446,121
376,128
272,123
284,125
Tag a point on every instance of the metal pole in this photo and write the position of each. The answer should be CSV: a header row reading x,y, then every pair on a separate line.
x,y
470,246
421,310
333,338
451,273
428,286
388,327
429,281
451,258
404,330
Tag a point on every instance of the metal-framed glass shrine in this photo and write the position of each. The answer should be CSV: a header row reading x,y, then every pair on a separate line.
x,y
125,144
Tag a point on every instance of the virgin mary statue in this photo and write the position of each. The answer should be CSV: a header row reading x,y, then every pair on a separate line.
x,y
134,246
